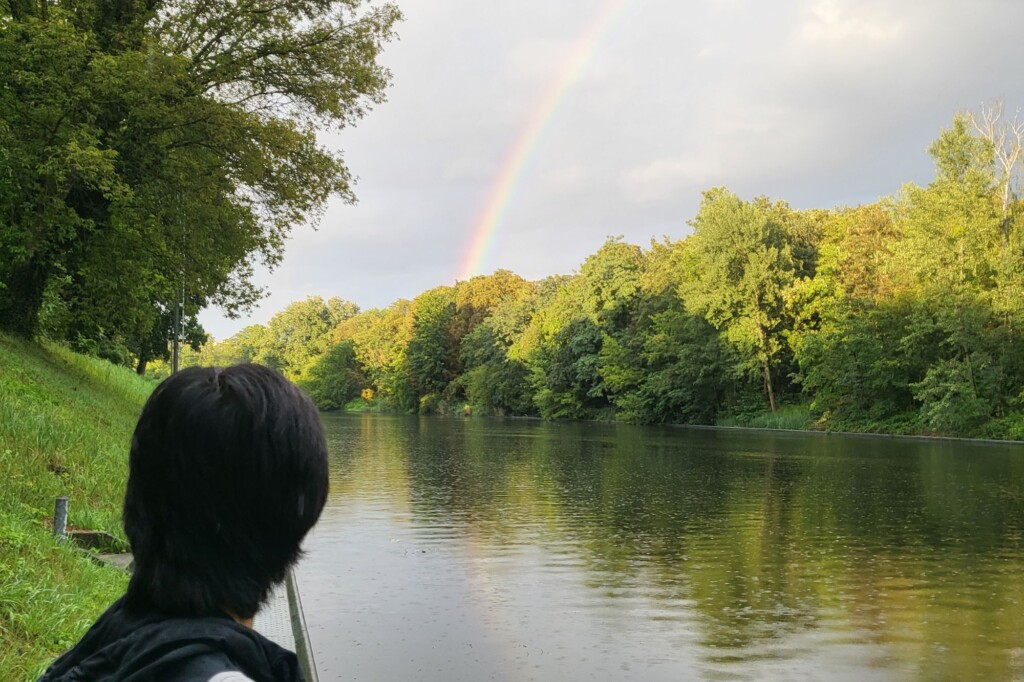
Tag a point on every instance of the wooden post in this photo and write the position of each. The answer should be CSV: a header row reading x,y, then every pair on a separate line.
x,y
60,518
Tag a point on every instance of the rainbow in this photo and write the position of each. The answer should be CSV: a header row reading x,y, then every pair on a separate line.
x,y
527,142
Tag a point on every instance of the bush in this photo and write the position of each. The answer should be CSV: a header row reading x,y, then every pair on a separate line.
x,y
949,397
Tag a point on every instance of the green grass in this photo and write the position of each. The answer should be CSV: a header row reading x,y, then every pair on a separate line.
x,y
796,417
360,405
65,426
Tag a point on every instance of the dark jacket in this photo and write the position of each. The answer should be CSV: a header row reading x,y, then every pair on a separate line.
x,y
124,647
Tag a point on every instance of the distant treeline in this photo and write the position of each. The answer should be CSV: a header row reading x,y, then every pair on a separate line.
x,y
906,315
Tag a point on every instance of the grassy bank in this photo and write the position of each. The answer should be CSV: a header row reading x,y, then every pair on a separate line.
x,y
797,417
65,426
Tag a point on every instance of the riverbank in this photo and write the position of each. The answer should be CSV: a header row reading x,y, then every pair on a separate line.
x,y
793,418
65,426
1009,429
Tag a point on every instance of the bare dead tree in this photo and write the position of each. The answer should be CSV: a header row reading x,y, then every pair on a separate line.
x,y
1007,138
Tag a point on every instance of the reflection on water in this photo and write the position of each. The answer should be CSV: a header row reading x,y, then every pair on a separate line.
x,y
519,550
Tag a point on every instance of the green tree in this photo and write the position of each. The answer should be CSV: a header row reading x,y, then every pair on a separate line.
x,y
566,374
671,366
494,383
951,229
154,346
914,327
381,338
497,380
161,145
334,378
739,265
609,284
303,331
478,296
859,368
51,151
431,359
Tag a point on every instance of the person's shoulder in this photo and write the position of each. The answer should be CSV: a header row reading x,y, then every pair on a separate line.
x,y
215,649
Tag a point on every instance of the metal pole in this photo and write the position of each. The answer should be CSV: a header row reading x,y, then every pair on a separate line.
x,y
60,518
174,342
303,649
179,312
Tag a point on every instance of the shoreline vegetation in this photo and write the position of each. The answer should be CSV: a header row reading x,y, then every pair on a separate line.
x,y
904,317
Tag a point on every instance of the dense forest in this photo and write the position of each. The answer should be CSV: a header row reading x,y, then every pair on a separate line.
x,y
902,316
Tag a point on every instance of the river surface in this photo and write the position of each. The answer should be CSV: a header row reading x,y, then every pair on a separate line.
x,y
513,550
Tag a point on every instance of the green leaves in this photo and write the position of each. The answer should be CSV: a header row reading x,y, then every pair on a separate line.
x,y
739,265
906,315
161,146
334,378
951,394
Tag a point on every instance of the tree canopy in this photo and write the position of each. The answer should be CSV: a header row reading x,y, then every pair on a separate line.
x,y
904,315
153,151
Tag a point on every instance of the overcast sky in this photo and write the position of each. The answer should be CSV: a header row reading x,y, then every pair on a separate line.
x,y
818,102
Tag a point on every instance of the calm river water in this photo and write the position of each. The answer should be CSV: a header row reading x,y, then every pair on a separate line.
x,y
517,550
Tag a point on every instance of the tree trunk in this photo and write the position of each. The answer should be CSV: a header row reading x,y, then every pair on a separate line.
x,y
763,334
140,367
768,387
22,298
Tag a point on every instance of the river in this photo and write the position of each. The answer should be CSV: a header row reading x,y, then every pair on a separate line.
x,y
476,549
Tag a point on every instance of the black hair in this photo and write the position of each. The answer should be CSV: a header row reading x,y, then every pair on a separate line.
x,y
227,474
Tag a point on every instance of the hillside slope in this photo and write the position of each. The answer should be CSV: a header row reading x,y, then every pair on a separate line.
x,y
65,426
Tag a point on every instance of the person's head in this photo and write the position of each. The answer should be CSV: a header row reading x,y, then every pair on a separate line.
x,y
227,474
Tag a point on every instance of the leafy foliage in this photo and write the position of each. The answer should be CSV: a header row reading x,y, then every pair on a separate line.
x,y
900,316
739,264
335,378
156,147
